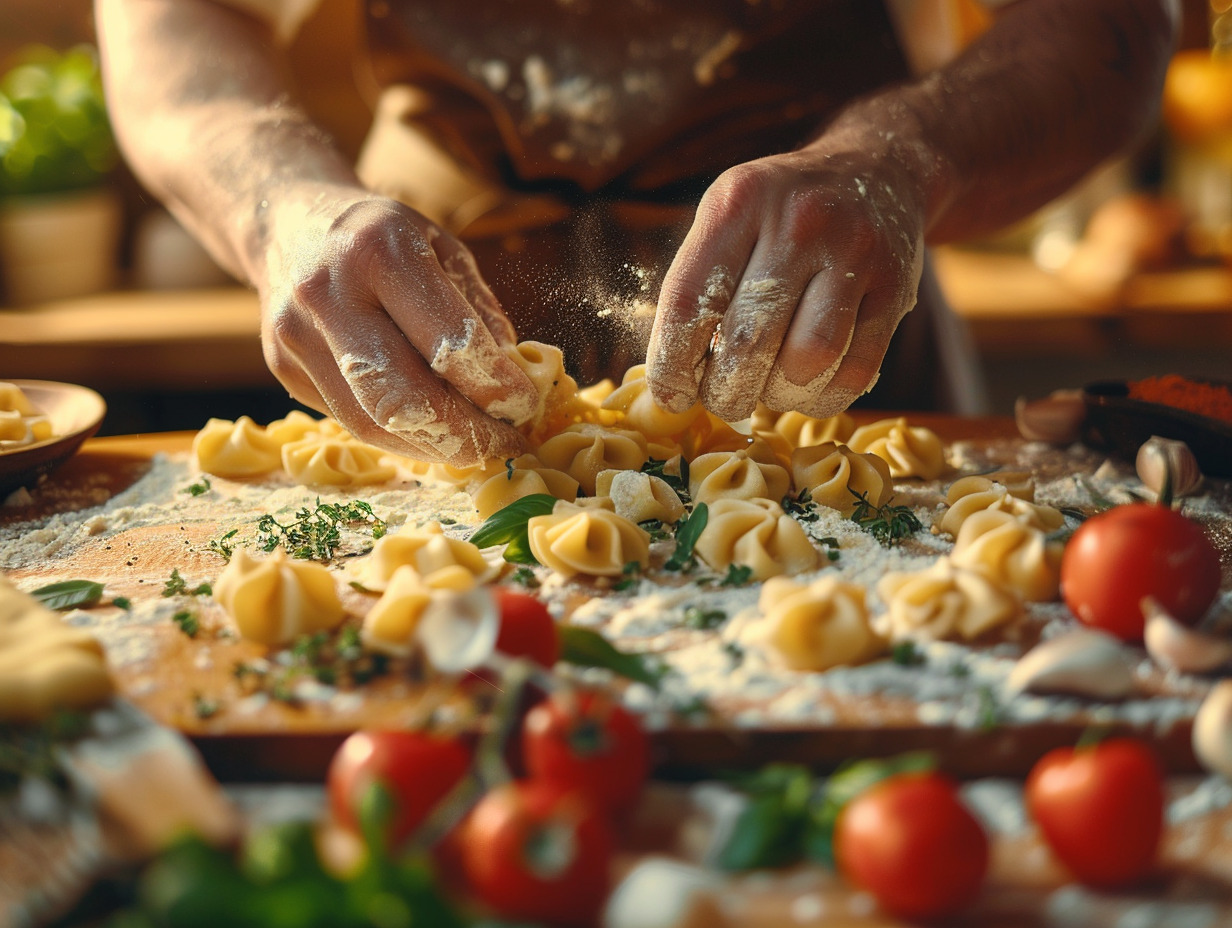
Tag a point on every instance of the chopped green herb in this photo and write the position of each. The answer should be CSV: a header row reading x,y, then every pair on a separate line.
x,y
315,534
508,468
907,654
524,576
655,529
69,594
801,506
204,707
888,524
178,586
737,575
222,544
188,622
331,658
688,530
200,488
830,543
697,617
989,710
122,602
630,576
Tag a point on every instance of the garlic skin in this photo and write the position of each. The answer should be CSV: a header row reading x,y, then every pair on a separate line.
x,y
1056,419
1212,730
1174,646
1083,662
1159,455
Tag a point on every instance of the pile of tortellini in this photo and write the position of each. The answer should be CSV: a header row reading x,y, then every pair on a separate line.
x,y
20,423
591,448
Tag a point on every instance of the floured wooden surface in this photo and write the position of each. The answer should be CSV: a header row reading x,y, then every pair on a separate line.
x,y
121,514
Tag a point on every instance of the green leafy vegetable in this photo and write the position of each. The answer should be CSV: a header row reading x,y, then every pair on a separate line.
x,y
508,527
69,594
588,648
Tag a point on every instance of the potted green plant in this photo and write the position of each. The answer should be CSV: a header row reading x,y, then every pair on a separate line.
x,y
59,219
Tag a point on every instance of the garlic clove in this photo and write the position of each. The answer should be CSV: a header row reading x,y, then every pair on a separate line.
x,y
458,630
1083,662
1157,456
1174,646
1212,730
1057,418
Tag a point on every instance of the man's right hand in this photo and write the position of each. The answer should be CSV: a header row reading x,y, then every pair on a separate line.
x,y
376,316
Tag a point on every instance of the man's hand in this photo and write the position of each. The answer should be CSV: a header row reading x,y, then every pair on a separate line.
x,y
375,315
789,285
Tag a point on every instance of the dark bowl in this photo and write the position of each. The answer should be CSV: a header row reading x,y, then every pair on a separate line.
x,y
76,413
1119,425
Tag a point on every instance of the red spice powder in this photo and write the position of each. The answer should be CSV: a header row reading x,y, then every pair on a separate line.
x,y
1181,393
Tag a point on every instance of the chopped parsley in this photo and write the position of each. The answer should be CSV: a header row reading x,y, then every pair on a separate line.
x,y
200,488
178,586
188,622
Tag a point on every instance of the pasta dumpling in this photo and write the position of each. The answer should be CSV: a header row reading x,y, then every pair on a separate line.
x,y
758,534
911,451
818,625
390,625
441,562
799,430
835,476
592,540
335,462
943,602
641,412
274,600
235,449
1016,555
974,494
558,404
298,425
583,450
733,474
523,476
640,497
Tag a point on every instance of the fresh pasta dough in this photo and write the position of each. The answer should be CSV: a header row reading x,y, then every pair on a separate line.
x,y
440,562
335,462
734,475
45,664
640,497
274,600
1000,545
592,540
911,451
236,449
837,476
819,625
585,449
523,476
758,534
943,602
390,625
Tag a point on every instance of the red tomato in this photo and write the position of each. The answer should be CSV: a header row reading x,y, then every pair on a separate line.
x,y
911,842
1126,553
527,629
533,851
585,740
418,769
1100,808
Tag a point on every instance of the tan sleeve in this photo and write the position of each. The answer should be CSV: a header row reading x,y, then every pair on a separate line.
x,y
285,16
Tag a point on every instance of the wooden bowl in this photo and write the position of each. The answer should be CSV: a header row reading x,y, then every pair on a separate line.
x,y
75,412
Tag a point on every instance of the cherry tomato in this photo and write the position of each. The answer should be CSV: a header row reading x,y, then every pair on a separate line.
x,y
532,850
1100,808
527,629
911,842
417,768
1126,553
585,740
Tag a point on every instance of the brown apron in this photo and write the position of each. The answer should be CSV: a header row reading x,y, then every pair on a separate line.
x,y
567,142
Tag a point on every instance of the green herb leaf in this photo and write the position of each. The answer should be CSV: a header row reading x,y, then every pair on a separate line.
x,y
688,530
697,617
907,654
769,830
188,623
122,602
178,586
524,576
801,506
888,524
315,534
587,648
69,594
737,575
508,527
198,489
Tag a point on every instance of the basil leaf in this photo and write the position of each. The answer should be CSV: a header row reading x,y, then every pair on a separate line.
x,y
688,530
763,836
587,648
508,527
69,594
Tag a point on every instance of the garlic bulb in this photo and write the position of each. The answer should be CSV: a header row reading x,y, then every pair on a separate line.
x,y
1083,662
1174,646
1057,418
1212,730
1158,456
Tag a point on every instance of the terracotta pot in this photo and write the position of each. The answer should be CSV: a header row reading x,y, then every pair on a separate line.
x,y
59,245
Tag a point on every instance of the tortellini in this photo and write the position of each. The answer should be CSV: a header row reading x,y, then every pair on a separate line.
x,y
757,534
837,476
1001,546
298,425
523,476
911,451
236,449
20,423
335,462
390,625
640,497
798,430
558,404
45,664
734,475
591,540
818,625
441,562
943,602
634,400
274,600
973,494
583,450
